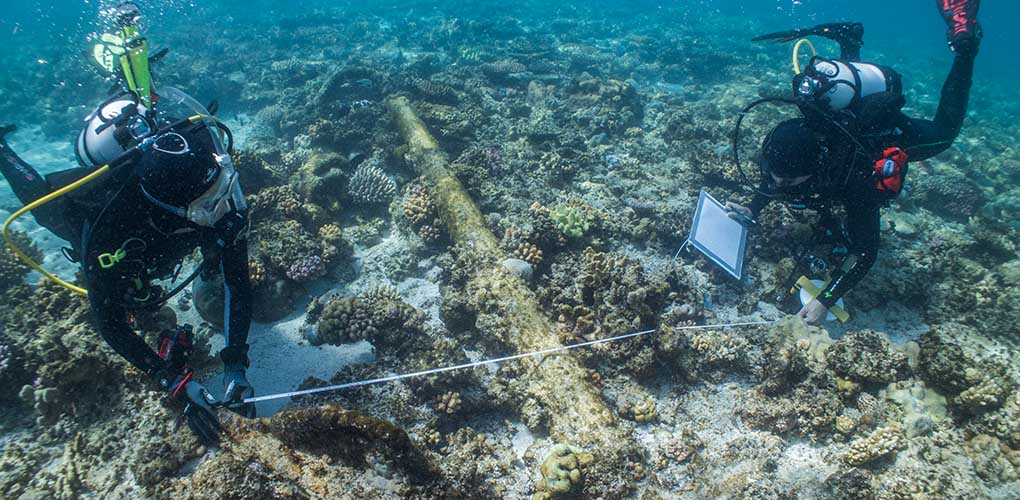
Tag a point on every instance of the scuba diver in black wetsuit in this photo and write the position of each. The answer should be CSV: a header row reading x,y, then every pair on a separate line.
x,y
853,143
165,186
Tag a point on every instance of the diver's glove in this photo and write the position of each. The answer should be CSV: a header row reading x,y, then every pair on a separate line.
x,y
198,406
964,34
237,389
235,383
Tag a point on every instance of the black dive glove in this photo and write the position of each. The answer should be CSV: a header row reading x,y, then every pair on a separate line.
x,y
236,387
964,34
174,348
198,406
236,390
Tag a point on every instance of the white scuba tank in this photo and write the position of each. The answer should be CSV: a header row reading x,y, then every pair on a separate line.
x,y
839,84
111,130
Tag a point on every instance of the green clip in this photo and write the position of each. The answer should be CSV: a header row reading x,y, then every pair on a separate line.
x,y
108,260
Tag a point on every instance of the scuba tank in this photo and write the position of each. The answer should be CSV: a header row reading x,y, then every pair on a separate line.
x,y
835,86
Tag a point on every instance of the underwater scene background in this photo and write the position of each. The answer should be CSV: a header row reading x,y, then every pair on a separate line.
x,y
571,141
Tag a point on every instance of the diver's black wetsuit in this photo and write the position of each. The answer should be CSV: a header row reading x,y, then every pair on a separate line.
x,y
155,240
920,139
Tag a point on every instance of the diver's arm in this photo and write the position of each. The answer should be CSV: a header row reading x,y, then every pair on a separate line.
x,y
112,323
758,203
863,225
238,301
926,138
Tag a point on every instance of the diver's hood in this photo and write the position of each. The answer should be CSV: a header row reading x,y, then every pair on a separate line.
x,y
204,188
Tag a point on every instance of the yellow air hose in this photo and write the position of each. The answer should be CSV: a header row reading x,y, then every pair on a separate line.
x,y
57,194
38,203
796,53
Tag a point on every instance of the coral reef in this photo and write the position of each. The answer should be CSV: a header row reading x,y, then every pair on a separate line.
x,y
377,315
12,269
582,135
881,443
562,471
369,184
867,356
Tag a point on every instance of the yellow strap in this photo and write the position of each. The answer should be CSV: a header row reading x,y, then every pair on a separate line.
x,y
36,204
796,53
814,291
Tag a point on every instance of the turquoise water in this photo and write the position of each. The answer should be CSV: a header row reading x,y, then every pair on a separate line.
x,y
583,133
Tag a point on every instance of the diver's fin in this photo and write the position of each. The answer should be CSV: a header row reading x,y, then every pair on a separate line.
x,y
840,32
213,106
6,129
782,36
158,55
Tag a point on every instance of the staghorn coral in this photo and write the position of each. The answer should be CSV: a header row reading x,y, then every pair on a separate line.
x,y
881,443
370,185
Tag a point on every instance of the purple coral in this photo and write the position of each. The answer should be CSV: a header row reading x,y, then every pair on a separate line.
x,y
306,269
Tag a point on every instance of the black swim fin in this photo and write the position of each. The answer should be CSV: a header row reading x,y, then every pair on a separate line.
x,y
6,129
213,106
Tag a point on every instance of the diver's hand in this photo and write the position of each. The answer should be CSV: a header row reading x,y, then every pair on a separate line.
x,y
237,389
739,212
813,312
964,33
198,410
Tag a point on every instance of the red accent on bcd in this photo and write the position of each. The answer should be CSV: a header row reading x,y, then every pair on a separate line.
x,y
890,170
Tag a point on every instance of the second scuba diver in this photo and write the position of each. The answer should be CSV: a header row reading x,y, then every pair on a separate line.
x,y
170,188
852,145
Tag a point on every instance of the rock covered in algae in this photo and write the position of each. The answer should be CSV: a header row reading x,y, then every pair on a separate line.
x,y
867,356
562,471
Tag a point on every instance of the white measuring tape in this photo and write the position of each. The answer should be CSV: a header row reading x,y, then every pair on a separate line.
x,y
473,364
